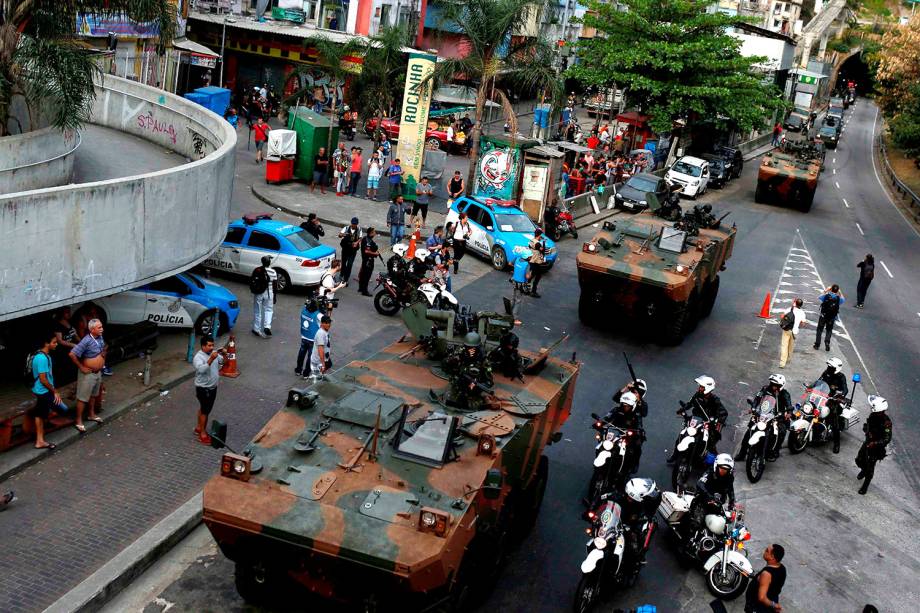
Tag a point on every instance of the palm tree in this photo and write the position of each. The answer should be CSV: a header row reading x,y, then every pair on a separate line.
x,y
42,62
496,56
380,85
335,64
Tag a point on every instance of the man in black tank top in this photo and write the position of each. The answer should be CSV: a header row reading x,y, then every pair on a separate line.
x,y
763,590
455,186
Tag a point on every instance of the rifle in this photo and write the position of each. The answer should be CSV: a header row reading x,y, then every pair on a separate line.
x,y
635,379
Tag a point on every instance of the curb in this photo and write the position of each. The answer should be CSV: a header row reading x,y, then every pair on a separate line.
x,y
116,574
71,436
298,214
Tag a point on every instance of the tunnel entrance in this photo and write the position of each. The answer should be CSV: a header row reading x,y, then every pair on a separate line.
x,y
855,70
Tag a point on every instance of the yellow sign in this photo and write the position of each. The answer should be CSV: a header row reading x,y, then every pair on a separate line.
x,y
413,120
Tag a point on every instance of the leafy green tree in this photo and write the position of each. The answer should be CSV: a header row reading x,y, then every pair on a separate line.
x,y
496,57
335,64
379,86
42,62
675,61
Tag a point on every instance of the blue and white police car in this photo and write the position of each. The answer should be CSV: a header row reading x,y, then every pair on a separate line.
x,y
297,257
499,232
182,301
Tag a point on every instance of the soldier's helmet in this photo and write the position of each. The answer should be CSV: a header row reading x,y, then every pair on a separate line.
x,y
472,339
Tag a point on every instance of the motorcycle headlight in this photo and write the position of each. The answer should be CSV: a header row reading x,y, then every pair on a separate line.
x,y
600,543
608,445
691,431
761,425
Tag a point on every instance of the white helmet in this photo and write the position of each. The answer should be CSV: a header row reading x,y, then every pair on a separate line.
x,y
778,379
400,249
639,489
629,398
706,382
878,404
421,253
835,363
726,460
641,385
346,108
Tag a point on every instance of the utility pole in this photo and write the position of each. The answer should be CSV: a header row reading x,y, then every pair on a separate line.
x,y
223,39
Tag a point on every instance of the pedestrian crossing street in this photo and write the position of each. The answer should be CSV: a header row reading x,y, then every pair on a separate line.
x,y
800,279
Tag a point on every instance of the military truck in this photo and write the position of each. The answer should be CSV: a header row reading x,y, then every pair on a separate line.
x,y
659,268
400,480
789,175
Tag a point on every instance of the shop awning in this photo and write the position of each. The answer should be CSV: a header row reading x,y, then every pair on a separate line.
x,y
564,144
193,47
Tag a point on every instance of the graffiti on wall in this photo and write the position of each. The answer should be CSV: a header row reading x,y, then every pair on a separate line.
x,y
497,171
157,126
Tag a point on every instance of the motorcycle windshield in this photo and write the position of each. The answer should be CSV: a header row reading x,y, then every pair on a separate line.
x,y
610,518
818,393
767,405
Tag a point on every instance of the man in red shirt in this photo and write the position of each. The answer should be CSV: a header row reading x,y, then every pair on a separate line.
x,y
261,130
593,140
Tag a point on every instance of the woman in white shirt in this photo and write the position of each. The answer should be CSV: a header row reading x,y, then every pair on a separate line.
x,y
462,233
328,286
374,172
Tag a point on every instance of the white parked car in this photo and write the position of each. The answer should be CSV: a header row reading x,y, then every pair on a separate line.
x,y
691,173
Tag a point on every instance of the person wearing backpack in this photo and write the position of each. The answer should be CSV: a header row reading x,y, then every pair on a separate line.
x,y
790,323
264,287
831,300
47,397
866,274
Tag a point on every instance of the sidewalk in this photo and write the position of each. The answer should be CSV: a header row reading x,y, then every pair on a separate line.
x,y
123,390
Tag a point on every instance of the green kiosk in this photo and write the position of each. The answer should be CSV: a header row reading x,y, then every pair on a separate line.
x,y
312,133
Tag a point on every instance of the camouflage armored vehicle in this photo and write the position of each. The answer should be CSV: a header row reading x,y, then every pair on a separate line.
x,y
790,175
399,480
654,270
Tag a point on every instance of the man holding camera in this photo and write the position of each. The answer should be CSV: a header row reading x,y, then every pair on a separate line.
x,y
207,363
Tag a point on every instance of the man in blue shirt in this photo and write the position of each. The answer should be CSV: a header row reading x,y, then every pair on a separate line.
x,y
46,396
395,174
831,300
435,241
309,324
89,356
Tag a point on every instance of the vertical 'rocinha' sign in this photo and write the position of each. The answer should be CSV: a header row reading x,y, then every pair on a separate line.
x,y
413,120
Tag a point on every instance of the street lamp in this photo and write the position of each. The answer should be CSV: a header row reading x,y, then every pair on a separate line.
x,y
223,38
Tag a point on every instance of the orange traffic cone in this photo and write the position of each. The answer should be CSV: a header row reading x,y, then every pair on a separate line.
x,y
411,252
765,309
229,368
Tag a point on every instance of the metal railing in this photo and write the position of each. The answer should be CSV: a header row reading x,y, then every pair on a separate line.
x,y
913,200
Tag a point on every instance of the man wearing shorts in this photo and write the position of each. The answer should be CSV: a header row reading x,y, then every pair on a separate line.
x,y
207,363
46,396
261,130
422,197
89,356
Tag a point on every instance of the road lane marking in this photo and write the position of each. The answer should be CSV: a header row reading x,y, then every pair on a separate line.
x,y
886,269
834,161
834,170
879,179
858,227
837,184
845,203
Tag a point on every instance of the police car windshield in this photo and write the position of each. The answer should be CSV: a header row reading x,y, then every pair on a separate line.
x,y
514,223
302,240
195,279
687,169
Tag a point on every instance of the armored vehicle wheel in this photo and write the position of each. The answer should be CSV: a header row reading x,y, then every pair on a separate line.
x,y
674,325
256,583
530,500
710,291
588,311
694,308
760,195
807,199
486,556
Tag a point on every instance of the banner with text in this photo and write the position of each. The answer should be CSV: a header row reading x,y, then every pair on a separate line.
x,y
413,121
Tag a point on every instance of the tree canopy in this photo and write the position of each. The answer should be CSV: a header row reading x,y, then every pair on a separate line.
x,y
896,82
675,61
41,60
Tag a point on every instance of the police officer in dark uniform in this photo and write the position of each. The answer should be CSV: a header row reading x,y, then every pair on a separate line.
x,y
369,253
715,487
638,502
638,387
627,417
783,408
707,406
878,435
837,381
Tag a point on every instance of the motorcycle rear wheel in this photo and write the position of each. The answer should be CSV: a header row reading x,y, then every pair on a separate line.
x,y
385,303
586,593
727,587
797,442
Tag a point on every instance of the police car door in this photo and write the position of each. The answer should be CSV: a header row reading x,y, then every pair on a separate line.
x,y
227,256
480,219
166,306
257,245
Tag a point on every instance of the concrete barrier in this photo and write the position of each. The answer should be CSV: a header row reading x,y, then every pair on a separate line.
x,y
78,242
37,159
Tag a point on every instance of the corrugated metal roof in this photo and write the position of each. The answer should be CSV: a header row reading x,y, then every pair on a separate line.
x,y
193,47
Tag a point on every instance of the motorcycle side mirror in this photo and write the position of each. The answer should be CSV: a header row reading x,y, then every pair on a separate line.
x,y
595,416
856,377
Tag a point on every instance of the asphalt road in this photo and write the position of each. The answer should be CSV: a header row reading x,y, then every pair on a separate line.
x,y
734,347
